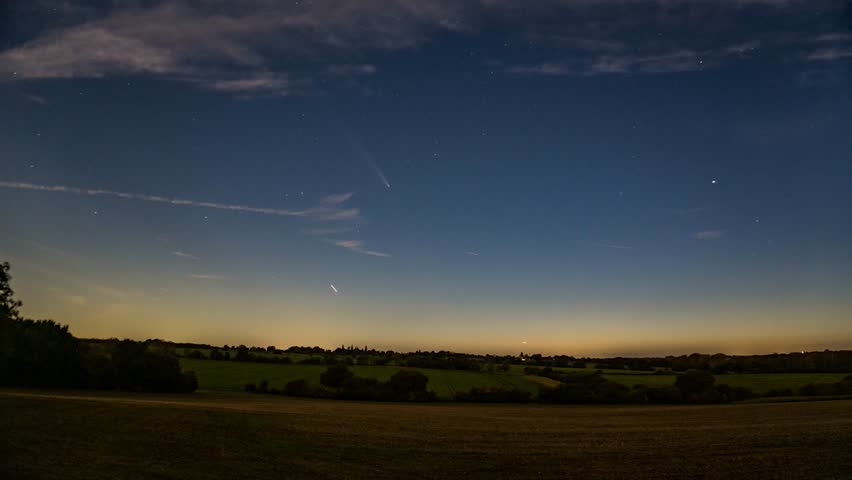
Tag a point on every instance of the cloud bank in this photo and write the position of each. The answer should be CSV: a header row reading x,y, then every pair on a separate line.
x,y
267,47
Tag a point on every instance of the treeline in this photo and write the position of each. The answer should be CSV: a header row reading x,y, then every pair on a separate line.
x,y
797,362
43,353
338,381
826,361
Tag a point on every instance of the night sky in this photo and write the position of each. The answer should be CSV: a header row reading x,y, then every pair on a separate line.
x,y
577,177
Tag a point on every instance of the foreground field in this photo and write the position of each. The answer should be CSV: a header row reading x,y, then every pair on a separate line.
x,y
211,436
232,376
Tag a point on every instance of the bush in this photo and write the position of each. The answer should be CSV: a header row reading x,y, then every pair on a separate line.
x,y
779,392
734,394
250,387
813,389
40,353
568,394
494,395
335,375
695,385
654,395
360,388
296,388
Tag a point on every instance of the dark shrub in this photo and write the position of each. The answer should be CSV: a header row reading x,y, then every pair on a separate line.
x,y
568,393
664,395
297,388
494,395
359,388
694,383
779,392
40,353
734,394
812,389
263,386
844,386
335,375
250,387
611,392
408,381
363,360
381,360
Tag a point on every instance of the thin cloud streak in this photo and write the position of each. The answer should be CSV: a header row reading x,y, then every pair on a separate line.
x,y
36,98
357,246
327,210
204,276
185,255
615,246
708,234
326,231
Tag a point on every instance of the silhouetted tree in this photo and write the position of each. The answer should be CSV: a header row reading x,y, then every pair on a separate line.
x,y
8,305
242,354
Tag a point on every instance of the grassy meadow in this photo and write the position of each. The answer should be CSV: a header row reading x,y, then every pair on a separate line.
x,y
232,376
96,435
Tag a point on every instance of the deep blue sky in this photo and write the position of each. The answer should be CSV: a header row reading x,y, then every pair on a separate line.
x,y
579,177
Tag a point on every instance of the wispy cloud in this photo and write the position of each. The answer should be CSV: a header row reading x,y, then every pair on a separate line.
x,y
358,247
472,253
830,54
349,69
615,246
620,63
206,276
77,300
328,209
251,49
685,212
708,234
250,84
184,255
265,47
36,98
327,231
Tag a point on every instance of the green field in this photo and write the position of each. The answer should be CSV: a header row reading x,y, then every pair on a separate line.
x,y
207,436
232,376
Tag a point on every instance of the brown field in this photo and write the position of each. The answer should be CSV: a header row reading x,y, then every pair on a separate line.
x,y
76,435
